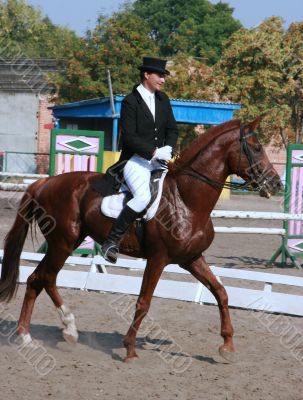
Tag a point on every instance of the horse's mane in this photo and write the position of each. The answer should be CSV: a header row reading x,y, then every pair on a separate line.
x,y
191,151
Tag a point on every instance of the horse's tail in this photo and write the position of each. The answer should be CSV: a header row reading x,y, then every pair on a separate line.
x,y
13,245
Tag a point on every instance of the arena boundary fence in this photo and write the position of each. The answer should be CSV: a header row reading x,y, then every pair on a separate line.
x,y
292,243
264,300
26,179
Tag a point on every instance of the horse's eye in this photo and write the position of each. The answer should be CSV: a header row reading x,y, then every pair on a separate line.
x,y
258,148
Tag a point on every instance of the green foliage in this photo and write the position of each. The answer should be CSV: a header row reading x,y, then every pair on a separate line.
x,y
262,69
194,27
294,68
25,33
192,79
118,44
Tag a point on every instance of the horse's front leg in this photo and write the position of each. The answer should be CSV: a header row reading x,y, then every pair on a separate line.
x,y
201,271
151,277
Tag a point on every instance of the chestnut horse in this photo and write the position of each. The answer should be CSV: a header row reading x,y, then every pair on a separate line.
x,y
191,189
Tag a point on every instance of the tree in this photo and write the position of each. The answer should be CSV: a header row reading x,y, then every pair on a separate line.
x,y
193,80
262,69
194,27
117,43
25,33
293,41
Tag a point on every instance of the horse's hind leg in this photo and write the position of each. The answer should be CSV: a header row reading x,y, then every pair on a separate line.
x,y
33,289
201,271
44,276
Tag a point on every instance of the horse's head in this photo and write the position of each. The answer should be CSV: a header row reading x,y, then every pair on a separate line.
x,y
228,149
249,160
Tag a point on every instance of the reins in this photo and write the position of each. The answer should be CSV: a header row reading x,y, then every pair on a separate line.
x,y
244,148
220,185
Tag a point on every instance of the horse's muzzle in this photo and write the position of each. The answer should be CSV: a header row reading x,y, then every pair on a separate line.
x,y
270,186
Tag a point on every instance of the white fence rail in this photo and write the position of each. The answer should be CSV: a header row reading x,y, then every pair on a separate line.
x,y
255,215
225,214
240,229
20,186
266,300
20,175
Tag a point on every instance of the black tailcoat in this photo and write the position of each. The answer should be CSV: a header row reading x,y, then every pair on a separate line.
x,y
140,134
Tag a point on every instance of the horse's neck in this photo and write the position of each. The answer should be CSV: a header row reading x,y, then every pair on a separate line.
x,y
211,163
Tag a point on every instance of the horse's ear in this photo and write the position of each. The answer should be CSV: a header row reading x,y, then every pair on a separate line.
x,y
254,125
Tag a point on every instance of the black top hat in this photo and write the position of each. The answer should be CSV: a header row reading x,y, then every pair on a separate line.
x,y
154,65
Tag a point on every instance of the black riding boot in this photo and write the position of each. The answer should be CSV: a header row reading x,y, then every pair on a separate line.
x,y
110,247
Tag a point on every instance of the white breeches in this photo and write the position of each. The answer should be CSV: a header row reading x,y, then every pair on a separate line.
x,y
137,173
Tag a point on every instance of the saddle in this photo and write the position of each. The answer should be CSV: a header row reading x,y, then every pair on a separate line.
x,y
111,206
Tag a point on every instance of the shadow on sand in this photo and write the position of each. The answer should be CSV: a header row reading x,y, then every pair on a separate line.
x,y
106,342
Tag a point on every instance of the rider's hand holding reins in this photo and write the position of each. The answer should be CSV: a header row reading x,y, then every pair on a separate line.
x,y
163,153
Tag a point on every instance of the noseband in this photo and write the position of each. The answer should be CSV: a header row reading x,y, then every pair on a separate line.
x,y
244,148
258,177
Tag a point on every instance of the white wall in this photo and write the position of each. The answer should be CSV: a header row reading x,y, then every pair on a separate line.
x,y
18,128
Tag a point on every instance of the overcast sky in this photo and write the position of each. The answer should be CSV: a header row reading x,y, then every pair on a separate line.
x,y
80,15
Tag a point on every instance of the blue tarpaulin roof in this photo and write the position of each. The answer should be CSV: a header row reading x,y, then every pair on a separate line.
x,y
185,111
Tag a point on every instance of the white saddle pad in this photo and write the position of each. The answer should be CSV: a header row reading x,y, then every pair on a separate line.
x,y
111,206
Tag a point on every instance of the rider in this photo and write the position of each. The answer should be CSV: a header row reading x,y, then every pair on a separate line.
x,y
149,133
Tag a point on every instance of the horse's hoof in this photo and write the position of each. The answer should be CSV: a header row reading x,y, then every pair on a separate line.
x,y
24,339
228,355
71,338
132,358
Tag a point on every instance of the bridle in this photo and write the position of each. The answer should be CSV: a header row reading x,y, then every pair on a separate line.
x,y
260,178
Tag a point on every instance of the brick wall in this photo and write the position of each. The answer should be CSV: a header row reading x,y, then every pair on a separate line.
x,y
45,119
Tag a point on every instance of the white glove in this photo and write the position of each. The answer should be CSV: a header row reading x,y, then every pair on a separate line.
x,y
163,153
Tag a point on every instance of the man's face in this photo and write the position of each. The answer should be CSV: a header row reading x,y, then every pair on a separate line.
x,y
153,81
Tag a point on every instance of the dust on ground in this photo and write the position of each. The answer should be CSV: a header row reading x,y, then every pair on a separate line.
x,y
179,359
